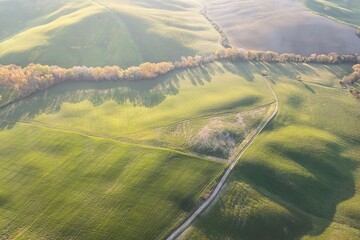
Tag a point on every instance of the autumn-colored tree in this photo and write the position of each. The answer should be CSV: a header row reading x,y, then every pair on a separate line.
x,y
353,77
153,70
35,77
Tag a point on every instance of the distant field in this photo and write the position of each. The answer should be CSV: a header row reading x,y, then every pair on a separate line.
x,y
301,177
102,32
80,160
282,26
343,10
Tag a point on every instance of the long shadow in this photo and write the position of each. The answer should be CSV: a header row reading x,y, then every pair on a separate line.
x,y
245,70
295,70
275,70
145,93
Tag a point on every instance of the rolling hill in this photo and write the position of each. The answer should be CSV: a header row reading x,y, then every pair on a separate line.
x,y
102,32
123,158
300,179
115,159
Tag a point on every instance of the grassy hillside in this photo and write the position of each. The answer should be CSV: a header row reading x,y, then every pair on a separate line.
x,y
102,32
147,111
73,159
343,10
300,178
63,185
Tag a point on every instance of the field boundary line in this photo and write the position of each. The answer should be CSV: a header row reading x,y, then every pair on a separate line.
x,y
328,16
235,158
225,43
119,141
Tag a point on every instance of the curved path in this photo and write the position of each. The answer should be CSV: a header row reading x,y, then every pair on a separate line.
x,y
176,233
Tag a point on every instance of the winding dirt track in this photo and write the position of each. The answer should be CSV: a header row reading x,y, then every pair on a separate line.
x,y
234,159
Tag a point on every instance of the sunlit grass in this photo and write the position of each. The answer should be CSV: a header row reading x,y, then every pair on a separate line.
x,y
69,167
300,178
106,32
347,11
61,185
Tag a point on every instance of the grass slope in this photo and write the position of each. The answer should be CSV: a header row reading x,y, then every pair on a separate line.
x,y
343,10
67,173
216,135
102,32
146,110
300,178
62,185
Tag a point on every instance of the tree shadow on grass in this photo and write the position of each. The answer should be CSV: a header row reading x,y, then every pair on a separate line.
x,y
248,70
245,70
310,89
144,93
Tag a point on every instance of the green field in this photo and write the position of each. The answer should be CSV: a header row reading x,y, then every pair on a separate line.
x,y
169,112
119,160
133,159
300,178
62,185
102,32
344,10
83,160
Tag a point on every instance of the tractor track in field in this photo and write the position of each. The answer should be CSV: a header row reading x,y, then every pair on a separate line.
x,y
234,159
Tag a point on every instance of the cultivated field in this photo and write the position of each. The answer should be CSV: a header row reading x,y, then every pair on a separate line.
x,y
344,10
282,26
63,185
301,177
102,32
80,160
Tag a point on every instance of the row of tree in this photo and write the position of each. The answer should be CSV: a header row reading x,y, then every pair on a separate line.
x,y
353,77
238,55
35,77
270,56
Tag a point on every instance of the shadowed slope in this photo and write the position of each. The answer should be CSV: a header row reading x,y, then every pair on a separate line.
x,y
104,32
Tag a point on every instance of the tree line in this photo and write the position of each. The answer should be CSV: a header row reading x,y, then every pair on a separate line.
x,y
35,77
353,77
